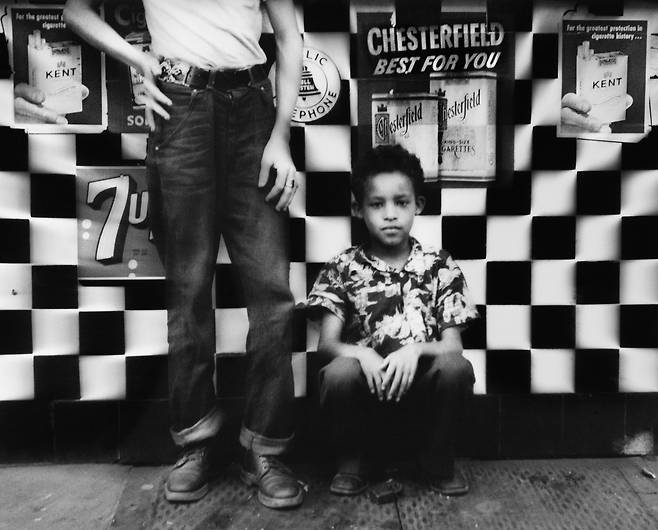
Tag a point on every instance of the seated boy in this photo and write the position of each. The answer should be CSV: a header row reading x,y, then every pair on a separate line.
x,y
391,320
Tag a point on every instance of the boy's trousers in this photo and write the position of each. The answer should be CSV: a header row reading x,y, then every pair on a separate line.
x,y
430,412
203,166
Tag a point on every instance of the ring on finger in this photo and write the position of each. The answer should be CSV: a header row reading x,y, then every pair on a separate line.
x,y
291,184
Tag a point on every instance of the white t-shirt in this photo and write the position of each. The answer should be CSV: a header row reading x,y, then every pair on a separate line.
x,y
211,34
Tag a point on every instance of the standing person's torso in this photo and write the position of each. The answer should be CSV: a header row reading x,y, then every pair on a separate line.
x,y
212,34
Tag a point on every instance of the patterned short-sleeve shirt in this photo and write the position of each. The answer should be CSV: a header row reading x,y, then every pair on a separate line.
x,y
385,308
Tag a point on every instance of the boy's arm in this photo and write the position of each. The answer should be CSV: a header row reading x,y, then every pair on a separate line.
x,y
288,74
83,18
330,342
449,343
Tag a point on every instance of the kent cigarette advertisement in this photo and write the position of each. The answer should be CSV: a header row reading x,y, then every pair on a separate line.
x,y
441,85
114,235
603,65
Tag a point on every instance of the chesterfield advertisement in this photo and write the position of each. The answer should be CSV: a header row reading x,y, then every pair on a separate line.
x,y
442,88
57,77
114,239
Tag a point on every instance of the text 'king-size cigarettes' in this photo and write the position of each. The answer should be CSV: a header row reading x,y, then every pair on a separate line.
x,y
601,79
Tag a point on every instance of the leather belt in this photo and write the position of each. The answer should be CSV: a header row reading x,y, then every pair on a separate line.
x,y
174,71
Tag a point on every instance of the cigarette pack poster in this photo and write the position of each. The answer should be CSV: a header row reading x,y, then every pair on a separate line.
x,y
114,236
604,70
57,76
441,85
125,108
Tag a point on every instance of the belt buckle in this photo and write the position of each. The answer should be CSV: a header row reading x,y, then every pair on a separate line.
x,y
212,74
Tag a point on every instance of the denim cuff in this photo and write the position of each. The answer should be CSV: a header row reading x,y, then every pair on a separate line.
x,y
263,445
205,428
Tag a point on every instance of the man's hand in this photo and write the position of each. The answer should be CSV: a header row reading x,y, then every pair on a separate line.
x,y
276,157
399,369
152,97
28,103
575,114
371,363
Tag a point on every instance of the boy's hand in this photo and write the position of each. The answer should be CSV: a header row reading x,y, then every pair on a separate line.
x,y
276,157
153,98
371,363
399,369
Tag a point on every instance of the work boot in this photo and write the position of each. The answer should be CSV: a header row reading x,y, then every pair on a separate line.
x,y
277,487
188,479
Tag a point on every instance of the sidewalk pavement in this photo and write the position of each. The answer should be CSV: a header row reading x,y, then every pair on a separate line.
x,y
615,493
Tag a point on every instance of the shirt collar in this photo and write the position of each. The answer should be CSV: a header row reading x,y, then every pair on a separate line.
x,y
413,264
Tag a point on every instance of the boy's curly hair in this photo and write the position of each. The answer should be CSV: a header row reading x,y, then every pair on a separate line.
x,y
386,159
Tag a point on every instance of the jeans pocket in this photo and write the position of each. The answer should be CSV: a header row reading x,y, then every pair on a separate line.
x,y
183,100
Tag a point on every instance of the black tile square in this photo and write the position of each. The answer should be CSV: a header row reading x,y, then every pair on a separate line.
x,y
86,431
297,228
312,271
145,295
508,282
14,241
475,334
641,155
14,149
56,377
553,326
520,11
480,431
513,198
522,101
298,147
606,8
637,326
339,114
508,372
327,193
54,286
326,15
358,231
146,377
598,192
144,436
52,195
228,287
593,424
597,282
102,333
531,425
102,149
544,55
28,433
299,330
551,152
231,373
634,233
597,371
432,194
465,237
16,329
554,237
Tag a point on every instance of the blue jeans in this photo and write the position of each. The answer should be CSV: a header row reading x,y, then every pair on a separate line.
x,y
202,168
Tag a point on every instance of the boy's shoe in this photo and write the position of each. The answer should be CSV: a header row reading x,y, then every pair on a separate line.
x,y
451,486
347,484
188,479
277,487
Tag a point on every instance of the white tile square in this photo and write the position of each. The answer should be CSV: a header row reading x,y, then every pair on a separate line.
x,y
15,286
427,230
101,298
146,332
592,155
298,281
231,327
522,147
638,370
523,55
509,237
553,282
299,373
102,377
54,241
478,359
546,95
547,15
51,153
638,282
475,272
463,201
16,377
326,237
15,196
328,147
508,327
55,332
133,146
354,102
597,326
553,192
598,237
639,192
552,371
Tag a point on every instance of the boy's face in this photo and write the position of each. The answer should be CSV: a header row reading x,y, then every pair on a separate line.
x,y
388,209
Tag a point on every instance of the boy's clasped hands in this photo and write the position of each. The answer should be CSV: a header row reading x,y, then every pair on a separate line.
x,y
390,377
